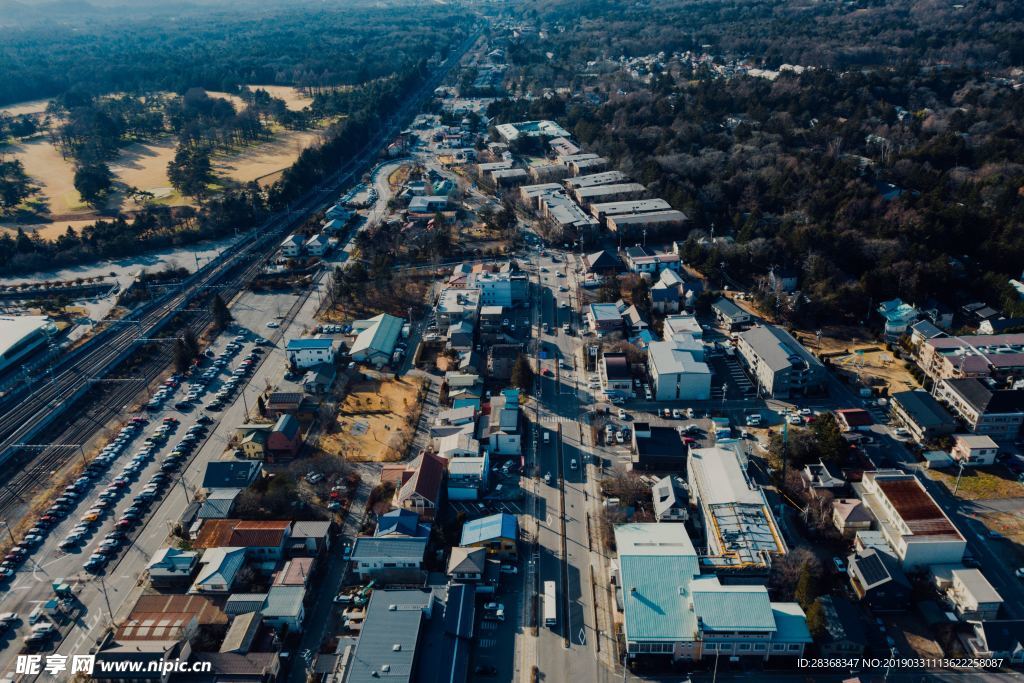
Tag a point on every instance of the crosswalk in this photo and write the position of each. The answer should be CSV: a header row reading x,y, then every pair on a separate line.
x,y
487,642
558,418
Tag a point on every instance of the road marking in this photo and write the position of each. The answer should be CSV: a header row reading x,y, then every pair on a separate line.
x,y
583,636
488,642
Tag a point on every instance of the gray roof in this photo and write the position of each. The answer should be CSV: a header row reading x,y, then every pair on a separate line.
x,y
369,547
777,348
389,637
923,409
284,601
467,560
728,308
241,633
310,529
667,493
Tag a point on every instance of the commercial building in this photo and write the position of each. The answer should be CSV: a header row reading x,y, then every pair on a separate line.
x,y
998,413
389,640
740,529
605,209
632,224
457,304
677,369
20,335
500,285
376,339
912,523
779,364
921,415
609,193
669,609
604,318
530,129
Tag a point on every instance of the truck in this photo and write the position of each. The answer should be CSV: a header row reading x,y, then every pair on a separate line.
x,y
550,606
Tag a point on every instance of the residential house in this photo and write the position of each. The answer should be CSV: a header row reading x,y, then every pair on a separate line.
x,y
423,491
670,499
998,639
602,263
467,477
376,339
389,558
849,516
657,449
616,375
820,476
467,565
319,379
263,540
783,279
668,293
972,596
974,449
729,315
284,607
498,534
604,318
599,194
1001,326
501,428
285,439
244,603
878,581
231,474
401,523
921,415
643,260
284,403
254,444
309,538
291,246
997,413
218,504
922,331
306,353
241,634
845,634
913,524
317,245
218,570
251,667
780,365
163,616
428,203
853,419
170,567
501,358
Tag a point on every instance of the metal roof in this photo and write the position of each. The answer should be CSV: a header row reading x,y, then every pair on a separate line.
x,y
284,601
370,547
379,337
301,344
391,632
731,608
777,348
492,527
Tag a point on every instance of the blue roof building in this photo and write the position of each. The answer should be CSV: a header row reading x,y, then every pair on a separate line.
x,y
497,533
401,522
671,610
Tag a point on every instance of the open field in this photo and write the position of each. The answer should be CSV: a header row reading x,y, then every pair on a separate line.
x,y
980,483
54,175
144,165
237,101
252,163
375,421
33,107
293,99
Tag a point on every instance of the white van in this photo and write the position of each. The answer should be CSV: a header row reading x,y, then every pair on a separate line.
x,y
547,437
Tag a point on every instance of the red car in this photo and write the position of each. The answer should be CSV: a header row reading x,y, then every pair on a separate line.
x,y
169,420
547,372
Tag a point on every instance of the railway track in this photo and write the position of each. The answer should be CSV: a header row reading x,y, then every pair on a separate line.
x,y
70,379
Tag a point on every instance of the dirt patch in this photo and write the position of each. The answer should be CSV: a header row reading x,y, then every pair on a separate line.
x,y
854,354
144,165
257,161
376,421
979,484
399,177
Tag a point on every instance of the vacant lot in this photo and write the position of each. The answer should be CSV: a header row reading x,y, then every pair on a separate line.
x,y
293,99
264,159
376,421
980,484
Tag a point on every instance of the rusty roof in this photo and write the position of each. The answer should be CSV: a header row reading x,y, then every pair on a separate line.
x,y
917,509
223,533
162,617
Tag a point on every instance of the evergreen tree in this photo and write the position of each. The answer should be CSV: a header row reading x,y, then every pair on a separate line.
x,y
522,374
221,314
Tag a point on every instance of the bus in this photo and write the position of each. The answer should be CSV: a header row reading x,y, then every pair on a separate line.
x,y
550,607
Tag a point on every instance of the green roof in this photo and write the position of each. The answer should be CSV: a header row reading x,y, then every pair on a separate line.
x,y
732,608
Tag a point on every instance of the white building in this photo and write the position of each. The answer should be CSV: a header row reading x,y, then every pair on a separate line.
x,y
291,246
305,353
974,449
317,245
467,477
22,334
677,369
781,366
504,286
377,338
913,524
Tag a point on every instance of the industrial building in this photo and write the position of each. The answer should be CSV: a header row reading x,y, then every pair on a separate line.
x,y
20,335
739,526
637,206
631,224
609,193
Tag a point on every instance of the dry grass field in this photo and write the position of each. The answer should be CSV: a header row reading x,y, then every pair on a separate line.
x,y
979,483
266,158
293,99
144,165
375,421
33,107
54,175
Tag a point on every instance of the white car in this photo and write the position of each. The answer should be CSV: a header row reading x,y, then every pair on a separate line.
x,y
1019,573
622,414
273,324
677,414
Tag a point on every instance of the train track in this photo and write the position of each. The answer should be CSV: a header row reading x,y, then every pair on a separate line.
x,y
68,385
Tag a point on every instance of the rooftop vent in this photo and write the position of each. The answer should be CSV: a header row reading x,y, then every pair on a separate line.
x,y
397,647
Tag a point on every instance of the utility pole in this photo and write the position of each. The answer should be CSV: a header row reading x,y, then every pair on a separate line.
x,y
959,474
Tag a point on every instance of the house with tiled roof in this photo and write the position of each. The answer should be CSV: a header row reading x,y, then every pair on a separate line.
x,y
169,617
389,559
422,493
263,540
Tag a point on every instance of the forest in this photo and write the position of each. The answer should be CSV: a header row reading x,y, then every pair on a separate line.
x,y
900,180
377,56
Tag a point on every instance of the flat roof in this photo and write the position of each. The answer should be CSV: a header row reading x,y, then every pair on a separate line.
x,y
602,190
594,179
626,207
669,216
919,512
668,358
